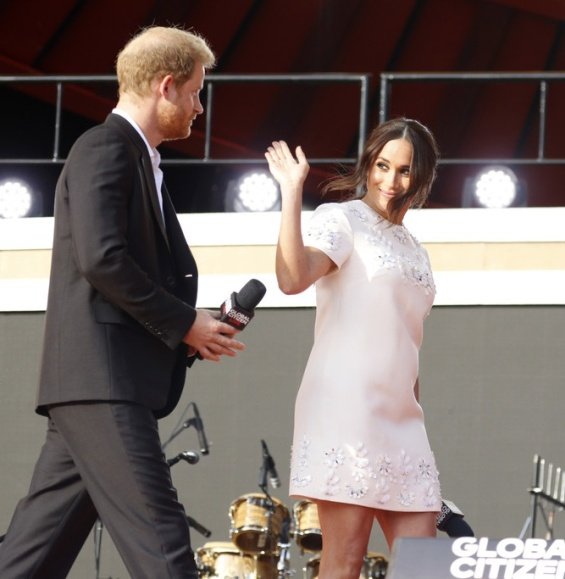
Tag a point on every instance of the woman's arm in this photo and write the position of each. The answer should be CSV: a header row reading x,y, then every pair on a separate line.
x,y
297,266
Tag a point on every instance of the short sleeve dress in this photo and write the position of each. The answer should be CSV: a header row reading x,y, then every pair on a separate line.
x,y
359,434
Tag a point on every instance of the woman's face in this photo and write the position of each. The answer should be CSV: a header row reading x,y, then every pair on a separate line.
x,y
389,176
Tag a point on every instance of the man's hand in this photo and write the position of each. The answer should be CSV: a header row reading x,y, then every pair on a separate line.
x,y
211,338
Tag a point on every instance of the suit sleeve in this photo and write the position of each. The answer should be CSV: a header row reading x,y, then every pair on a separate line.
x,y
101,180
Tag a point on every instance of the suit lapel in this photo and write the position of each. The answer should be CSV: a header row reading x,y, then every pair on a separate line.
x,y
153,196
145,168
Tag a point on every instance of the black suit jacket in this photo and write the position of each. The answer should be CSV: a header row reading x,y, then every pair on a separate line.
x,y
123,281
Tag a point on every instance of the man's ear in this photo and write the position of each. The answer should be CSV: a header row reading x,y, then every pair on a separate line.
x,y
165,85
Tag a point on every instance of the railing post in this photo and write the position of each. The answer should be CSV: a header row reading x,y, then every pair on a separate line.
x,y
383,102
208,129
363,111
58,107
542,113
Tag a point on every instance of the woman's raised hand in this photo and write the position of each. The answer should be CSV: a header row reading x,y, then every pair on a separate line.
x,y
288,170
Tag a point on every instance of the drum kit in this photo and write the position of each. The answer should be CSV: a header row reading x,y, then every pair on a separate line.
x,y
261,528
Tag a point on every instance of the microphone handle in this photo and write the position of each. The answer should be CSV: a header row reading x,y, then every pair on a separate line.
x,y
198,527
174,460
234,315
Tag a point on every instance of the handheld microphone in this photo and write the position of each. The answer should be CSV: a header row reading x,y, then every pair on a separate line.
x,y
199,425
450,520
238,309
270,466
187,455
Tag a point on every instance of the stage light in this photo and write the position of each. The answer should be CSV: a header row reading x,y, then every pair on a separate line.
x,y
253,192
494,187
16,199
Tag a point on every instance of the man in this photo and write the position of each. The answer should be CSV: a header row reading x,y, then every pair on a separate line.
x,y
121,325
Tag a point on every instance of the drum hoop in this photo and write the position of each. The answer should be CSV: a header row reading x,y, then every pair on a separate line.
x,y
218,547
273,506
309,531
244,528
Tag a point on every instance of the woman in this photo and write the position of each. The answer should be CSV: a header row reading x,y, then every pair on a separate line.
x,y
360,449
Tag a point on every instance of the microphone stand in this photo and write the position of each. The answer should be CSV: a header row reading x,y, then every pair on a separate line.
x,y
186,424
193,523
284,545
98,528
263,471
284,542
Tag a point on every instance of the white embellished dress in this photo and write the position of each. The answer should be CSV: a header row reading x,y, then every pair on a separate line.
x,y
359,434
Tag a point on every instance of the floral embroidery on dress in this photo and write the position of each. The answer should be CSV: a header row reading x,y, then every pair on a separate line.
x,y
417,270
410,259
326,234
333,459
384,466
360,473
301,476
361,215
401,234
418,486
432,495
426,470
352,474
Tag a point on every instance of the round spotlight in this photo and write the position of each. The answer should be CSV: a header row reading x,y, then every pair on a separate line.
x,y
496,187
257,192
15,199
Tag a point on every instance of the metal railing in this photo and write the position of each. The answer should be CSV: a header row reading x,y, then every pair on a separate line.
x,y
211,80
386,82
543,78
547,497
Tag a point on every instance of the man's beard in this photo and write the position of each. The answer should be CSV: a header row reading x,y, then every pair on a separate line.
x,y
173,126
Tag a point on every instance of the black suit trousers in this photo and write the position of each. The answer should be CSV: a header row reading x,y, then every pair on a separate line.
x,y
99,459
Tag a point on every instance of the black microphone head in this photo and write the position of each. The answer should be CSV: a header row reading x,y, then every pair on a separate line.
x,y
250,294
190,456
456,526
450,521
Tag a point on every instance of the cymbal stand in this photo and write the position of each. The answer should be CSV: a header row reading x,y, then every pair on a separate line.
x,y
284,547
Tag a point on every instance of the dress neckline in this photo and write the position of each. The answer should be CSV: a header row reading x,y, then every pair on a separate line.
x,y
376,214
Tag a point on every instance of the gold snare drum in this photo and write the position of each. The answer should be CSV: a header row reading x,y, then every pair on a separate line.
x,y
256,522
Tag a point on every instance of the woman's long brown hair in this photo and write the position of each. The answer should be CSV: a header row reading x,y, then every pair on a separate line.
x,y
422,171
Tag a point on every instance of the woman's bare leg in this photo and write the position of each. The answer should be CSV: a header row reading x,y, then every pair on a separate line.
x,y
396,524
346,530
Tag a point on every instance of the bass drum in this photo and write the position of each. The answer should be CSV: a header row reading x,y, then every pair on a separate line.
x,y
222,559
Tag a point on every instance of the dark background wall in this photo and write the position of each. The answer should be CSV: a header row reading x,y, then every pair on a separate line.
x,y
482,120
492,380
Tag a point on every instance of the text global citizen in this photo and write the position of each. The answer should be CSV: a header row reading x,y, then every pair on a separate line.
x,y
510,559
